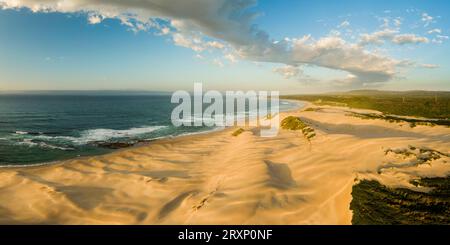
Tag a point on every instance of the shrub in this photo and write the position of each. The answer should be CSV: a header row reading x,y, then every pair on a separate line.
x,y
238,132
295,123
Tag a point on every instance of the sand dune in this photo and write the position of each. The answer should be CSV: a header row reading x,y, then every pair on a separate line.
x,y
218,178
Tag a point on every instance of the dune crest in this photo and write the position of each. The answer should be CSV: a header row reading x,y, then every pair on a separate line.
x,y
218,178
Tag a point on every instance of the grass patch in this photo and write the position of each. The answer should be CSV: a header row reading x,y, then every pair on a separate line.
x,y
292,123
312,109
374,203
413,122
422,155
295,123
238,132
429,104
416,156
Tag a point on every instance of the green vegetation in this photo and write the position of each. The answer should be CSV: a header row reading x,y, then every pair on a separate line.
x,y
295,123
427,104
413,122
421,155
238,132
312,109
292,123
416,156
374,203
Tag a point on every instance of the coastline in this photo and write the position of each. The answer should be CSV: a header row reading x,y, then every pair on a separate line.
x,y
217,178
300,105
137,145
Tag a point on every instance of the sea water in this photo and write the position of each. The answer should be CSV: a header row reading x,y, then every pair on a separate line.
x,y
46,127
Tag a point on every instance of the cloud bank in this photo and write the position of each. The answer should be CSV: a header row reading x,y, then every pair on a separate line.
x,y
288,71
227,25
379,38
430,66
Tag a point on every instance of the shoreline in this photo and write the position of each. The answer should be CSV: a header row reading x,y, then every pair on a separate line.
x,y
217,178
300,105
137,145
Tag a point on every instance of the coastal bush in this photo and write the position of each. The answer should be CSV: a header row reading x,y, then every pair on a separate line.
x,y
312,109
292,123
295,123
373,203
416,156
238,132
429,104
413,122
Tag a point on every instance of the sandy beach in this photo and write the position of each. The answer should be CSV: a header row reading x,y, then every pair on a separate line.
x,y
217,178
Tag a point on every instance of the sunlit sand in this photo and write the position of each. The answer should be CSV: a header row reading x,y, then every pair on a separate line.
x,y
218,178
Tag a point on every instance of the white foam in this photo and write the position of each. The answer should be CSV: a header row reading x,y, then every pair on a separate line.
x,y
50,138
107,134
30,143
21,132
93,135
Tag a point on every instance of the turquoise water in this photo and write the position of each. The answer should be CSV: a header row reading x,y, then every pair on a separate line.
x,y
37,128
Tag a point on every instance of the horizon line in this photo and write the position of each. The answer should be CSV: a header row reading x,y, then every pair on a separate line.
x,y
161,92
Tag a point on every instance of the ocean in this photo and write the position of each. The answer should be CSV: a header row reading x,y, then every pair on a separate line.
x,y
43,128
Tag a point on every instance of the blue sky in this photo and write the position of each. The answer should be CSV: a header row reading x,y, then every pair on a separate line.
x,y
328,45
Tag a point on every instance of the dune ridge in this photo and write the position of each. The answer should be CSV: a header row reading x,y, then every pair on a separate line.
x,y
218,178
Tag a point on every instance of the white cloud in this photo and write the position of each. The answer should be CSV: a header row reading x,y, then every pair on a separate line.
x,y
194,40
434,31
95,19
349,81
409,39
215,44
397,22
193,43
427,19
385,23
335,33
199,56
429,66
344,24
378,37
288,71
335,53
439,39
229,22
231,57
164,31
